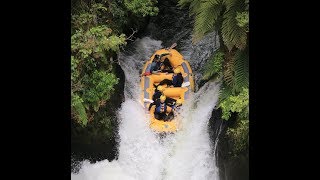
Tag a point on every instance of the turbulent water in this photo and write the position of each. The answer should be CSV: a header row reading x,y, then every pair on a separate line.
x,y
187,155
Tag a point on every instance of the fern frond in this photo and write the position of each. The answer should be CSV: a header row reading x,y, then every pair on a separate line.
x,y
229,73
193,5
241,70
184,3
232,33
225,92
206,17
214,65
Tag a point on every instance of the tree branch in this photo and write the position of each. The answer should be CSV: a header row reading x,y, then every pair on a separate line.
x,y
131,36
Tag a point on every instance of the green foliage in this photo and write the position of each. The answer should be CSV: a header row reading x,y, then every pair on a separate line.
x,y
193,5
232,33
241,71
96,41
226,16
78,109
74,66
243,20
120,15
207,15
92,45
228,73
230,19
99,86
142,7
236,72
239,137
88,16
214,66
237,104
96,36
243,17
225,92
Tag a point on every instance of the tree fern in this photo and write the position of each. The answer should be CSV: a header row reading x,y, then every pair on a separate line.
x,y
241,70
208,12
206,17
243,20
184,3
194,5
232,33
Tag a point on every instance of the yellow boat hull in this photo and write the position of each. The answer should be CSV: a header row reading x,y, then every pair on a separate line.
x,y
148,89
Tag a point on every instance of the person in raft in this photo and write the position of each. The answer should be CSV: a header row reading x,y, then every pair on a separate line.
x,y
158,92
158,65
175,108
166,66
177,79
161,110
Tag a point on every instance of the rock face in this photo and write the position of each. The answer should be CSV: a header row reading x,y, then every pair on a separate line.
x,y
172,24
230,168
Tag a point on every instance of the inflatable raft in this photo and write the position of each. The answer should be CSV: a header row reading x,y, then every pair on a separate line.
x,y
147,87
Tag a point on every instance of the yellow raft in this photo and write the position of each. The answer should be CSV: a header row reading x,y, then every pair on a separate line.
x,y
148,89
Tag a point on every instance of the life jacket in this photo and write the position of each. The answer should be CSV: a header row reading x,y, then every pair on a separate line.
x,y
162,108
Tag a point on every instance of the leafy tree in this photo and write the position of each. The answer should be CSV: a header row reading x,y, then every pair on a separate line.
x,y
96,38
142,7
92,46
238,135
237,104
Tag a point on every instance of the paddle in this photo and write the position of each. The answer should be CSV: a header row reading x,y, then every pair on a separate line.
x,y
185,84
173,45
148,100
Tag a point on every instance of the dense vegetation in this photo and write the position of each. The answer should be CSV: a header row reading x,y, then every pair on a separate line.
x,y
97,36
230,19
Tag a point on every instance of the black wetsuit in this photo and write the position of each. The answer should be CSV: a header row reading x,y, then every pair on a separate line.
x,y
156,95
167,66
177,80
166,81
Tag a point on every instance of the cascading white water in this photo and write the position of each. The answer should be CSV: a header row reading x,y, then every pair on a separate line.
x,y
143,155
